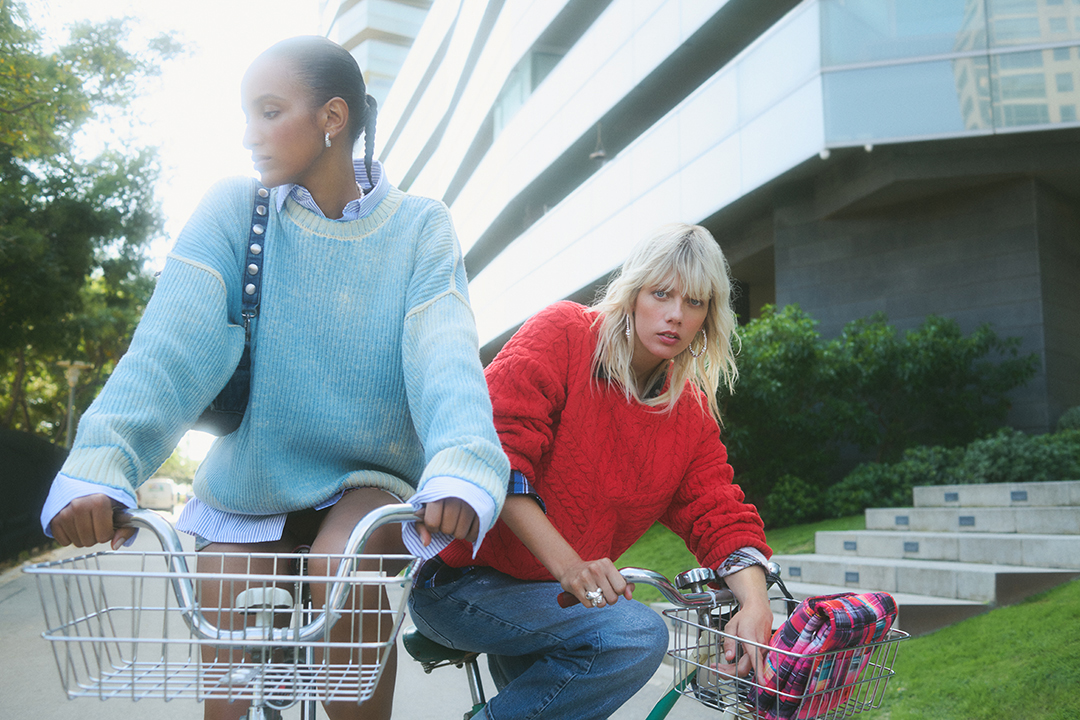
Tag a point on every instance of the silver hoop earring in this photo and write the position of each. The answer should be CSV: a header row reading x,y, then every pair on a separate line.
x,y
327,140
704,344
628,331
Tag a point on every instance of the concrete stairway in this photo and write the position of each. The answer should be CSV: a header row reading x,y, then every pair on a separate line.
x,y
959,551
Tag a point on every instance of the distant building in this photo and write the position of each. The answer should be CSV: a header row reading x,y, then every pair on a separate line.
x,y
851,156
378,33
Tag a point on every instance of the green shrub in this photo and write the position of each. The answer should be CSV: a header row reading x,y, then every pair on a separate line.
x,y
1012,456
792,501
1070,419
800,399
929,386
885,485
1006,456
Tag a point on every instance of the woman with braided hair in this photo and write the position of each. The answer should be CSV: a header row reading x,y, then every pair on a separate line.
x,y
366,386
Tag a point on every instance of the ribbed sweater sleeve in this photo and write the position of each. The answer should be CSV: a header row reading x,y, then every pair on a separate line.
x,y
528,385
182,353
707,510
444,380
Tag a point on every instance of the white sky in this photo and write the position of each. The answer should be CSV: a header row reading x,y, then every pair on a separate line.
x,y
193,114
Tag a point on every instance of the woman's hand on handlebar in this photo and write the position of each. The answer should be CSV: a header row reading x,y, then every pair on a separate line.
x,y
752,622
584,577
87,521
451,516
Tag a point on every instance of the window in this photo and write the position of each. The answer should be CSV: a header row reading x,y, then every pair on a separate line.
x,y
1059,25
1015,115
1027,85
1061,54
1014,29
1064,82
1018,60
1068,113
523,80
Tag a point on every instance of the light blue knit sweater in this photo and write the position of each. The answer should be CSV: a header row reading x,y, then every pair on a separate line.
x,y
365,366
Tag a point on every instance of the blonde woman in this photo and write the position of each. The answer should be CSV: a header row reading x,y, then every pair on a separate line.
x,y
609,418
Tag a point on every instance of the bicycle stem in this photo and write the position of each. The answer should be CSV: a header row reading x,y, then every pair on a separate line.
x,y
184,589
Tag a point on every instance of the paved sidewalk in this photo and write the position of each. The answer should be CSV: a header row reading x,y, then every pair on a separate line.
x,y
30,687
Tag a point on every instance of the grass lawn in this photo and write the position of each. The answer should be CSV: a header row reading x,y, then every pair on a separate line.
x,y
1014,663
661,550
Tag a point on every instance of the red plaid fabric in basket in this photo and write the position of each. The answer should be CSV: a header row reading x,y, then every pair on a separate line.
x,y
820,624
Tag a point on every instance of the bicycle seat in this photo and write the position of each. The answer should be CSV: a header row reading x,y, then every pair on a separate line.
x,y
425,650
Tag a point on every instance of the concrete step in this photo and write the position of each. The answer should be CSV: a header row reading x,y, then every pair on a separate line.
x,y
1031,520
1045,494
1048,551
917,614
979,582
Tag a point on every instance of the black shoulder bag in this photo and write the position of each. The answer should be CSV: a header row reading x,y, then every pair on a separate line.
x,y
226,411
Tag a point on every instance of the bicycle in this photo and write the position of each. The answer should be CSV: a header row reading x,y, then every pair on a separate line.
x,y
130,624
842,682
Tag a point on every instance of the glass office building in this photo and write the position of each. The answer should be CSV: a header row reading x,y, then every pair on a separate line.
x,y
852,156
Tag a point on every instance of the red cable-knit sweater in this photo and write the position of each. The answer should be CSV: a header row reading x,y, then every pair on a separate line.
x,y
607,469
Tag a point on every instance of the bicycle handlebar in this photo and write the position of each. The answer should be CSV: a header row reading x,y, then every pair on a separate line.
x,y
184,589
706,598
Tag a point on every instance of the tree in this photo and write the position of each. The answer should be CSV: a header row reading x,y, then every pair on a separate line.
x,y
802,402
930,386
73,232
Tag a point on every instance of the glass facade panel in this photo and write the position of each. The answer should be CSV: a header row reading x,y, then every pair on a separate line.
x,y
1024,22
1034,88
916,100
858,31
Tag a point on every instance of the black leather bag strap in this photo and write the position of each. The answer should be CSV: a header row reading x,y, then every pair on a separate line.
x,y
253,265
226,411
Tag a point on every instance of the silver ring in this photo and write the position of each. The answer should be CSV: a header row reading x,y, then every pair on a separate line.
x,y
596,597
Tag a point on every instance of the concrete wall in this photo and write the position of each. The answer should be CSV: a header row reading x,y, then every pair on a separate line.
x,y
975,254
1058,219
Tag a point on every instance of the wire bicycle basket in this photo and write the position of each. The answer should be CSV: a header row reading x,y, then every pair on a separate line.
x,y
835,684
137,625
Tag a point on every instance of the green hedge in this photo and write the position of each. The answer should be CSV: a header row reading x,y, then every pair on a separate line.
x,y
1070,419
1007,456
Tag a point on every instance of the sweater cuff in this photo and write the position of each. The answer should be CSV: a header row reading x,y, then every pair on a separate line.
x,y
440,488
65,489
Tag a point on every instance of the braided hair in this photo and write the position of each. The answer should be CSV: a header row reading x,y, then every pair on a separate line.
x,y
329,71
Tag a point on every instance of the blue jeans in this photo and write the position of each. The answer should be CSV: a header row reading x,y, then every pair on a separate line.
x,y
546,661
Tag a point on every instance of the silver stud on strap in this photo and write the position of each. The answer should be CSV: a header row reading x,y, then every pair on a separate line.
x,y
253,269
249,289
263,192
256,248
258,229
261,209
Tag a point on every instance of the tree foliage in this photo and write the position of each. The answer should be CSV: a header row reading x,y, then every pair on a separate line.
x,y
73,232
803,403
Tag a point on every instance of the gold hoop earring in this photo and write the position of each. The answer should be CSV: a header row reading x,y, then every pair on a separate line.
x,y
704,344
628,331
327,140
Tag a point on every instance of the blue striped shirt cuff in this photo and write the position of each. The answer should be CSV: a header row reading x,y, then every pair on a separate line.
x,y
519,485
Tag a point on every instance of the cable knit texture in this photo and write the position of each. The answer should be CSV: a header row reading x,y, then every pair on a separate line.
x,y
365,365
606,468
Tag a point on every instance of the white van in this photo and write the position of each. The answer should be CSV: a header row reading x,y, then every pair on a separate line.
x,y
158,494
